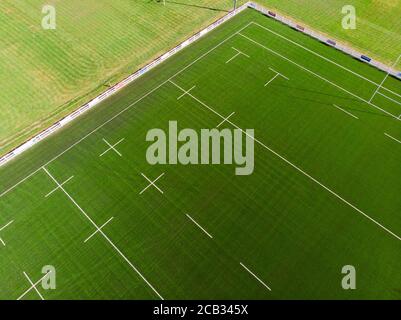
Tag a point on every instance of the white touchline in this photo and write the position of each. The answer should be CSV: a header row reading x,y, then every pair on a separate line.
x,y
345,111
123,110
297,168
391,137
55,189
100,228
152,183
325,58
320,77
225,119
255,276
33,286
186,92
199,226
103,234
112,147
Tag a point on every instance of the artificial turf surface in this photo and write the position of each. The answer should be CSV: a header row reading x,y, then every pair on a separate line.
x,y
324,194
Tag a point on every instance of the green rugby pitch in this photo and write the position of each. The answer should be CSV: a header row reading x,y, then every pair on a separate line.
x,y
325,192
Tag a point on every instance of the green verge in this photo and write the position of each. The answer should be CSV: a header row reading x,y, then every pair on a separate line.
x,y
293,232
45,74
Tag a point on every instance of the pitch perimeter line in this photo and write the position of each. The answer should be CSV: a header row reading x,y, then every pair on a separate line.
x,y
296,167
103,234
320,77
325,58
124,110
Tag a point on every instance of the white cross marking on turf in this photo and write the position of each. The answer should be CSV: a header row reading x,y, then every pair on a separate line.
x,y
277,74
112,147
256,277
2,228
236,55
97,230
152,183
295,166
102,233
225,119
186,92
33,286
345,111
199,226
58,187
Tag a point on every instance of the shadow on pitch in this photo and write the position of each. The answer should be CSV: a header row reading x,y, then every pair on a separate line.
x,y
325,104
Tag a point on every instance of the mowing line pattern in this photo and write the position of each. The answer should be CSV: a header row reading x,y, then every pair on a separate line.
x,y
152,183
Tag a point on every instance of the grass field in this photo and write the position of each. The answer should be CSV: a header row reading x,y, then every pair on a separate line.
x,y
378,31
46,74
325,192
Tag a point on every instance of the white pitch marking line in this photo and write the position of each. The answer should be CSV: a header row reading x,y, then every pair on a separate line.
x,y
320,77
255,276
236,55
345,111
324,58
2,228
186,92
112,147
152,183
123,111
104,235
298,169
225,120
277,75
100,228
391,137
33,285
384,80
55,189
5,226
391,99
199,226
271,80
